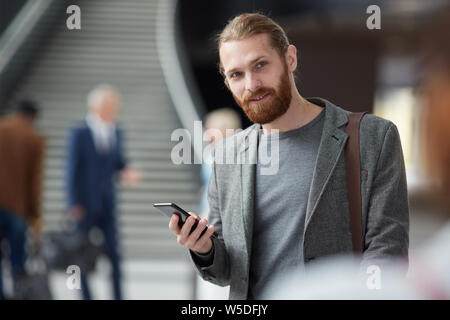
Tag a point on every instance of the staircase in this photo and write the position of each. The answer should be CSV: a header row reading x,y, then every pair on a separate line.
x,y
116,45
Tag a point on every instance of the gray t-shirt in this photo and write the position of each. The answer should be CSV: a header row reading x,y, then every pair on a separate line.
x,y
280,205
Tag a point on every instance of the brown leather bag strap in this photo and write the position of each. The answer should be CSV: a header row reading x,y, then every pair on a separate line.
x,y
353,174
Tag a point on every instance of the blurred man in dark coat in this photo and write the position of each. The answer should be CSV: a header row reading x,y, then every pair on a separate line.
x,y
95,157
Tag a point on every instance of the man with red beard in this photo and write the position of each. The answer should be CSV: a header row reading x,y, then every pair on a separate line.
x,y
264,225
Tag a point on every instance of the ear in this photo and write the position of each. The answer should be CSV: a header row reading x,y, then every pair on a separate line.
x,y
291,58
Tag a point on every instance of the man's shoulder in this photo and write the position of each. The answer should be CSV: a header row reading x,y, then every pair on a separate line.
x,y
374,126
377,134
372,130
370,123
78,127
3,122
38,137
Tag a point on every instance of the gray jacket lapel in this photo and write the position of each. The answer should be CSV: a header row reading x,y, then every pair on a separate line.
x,y
331,147
248,154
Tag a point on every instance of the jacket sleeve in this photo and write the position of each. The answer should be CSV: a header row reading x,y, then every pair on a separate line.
x,y
72,168
218,271
121,161
36,184
387,226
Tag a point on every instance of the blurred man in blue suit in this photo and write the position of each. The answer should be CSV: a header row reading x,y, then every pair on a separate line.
x,y
95,159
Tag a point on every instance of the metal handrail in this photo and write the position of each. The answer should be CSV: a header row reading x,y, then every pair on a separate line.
x,y
16,33
177,74
28,23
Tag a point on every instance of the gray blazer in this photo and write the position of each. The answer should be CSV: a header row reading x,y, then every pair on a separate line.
x,y
385,207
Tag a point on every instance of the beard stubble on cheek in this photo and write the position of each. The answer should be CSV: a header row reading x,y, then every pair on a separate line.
x,y
274,107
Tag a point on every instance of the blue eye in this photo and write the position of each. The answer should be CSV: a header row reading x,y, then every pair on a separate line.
x,y
235,74
261,64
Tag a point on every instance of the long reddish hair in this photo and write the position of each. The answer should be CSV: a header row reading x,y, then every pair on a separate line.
x,y
246,25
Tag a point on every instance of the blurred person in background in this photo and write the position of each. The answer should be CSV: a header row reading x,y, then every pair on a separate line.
x,y
94,159
292,217
429,276
432,272
216,124
21,166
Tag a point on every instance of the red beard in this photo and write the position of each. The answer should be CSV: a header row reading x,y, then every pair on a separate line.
x,y
271,107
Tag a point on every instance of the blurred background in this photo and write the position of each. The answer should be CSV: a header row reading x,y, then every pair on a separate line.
x,y
161,56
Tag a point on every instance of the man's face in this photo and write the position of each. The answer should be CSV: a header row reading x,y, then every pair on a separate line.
x,y
257,77
109,108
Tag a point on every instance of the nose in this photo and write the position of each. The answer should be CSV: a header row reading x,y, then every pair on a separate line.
x,y
252,82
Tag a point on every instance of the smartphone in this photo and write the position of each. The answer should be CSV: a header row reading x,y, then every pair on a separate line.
x,y
169,208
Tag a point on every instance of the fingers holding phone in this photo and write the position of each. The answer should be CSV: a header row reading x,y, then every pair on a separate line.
x,y
191,231
194,234
174,224
204,243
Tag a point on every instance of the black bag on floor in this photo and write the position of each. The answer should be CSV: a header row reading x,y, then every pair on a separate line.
x,y
65,248
33,283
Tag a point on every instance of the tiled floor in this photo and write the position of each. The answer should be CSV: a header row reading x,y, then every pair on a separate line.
x,y
143,279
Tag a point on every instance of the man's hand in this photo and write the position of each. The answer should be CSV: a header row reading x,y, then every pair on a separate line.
x,y
131,177
76,213
193,241
36,238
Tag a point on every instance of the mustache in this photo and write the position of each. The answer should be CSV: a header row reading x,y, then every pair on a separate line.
x,y
256,94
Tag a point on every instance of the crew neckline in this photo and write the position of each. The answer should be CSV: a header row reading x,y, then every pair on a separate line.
x,y
286,134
